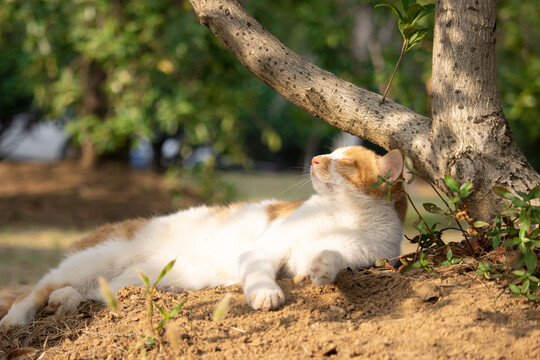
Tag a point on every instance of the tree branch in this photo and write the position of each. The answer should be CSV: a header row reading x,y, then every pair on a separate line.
x,y
317,91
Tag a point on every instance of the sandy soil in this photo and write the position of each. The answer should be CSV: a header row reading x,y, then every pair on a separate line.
x,y
368,313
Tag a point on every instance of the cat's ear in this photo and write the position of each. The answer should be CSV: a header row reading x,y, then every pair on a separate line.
x,y
391,163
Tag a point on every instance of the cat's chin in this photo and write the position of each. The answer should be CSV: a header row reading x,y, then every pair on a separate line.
x,y
323,187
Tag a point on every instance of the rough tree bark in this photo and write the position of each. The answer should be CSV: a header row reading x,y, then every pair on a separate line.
x,y
468,137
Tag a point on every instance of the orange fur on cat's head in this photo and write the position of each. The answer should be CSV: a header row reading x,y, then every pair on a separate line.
x,y
355,169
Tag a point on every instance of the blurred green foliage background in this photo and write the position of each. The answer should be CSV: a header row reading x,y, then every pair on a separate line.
x,y
123,69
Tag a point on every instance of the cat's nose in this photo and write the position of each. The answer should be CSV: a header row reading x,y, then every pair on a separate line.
x,y
315,160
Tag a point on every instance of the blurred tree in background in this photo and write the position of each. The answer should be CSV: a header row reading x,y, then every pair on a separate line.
x,y
121,70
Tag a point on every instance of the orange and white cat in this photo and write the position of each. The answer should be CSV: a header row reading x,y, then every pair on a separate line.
x,y
347,223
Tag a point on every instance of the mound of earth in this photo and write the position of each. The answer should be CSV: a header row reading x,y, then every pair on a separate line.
x,y
375,314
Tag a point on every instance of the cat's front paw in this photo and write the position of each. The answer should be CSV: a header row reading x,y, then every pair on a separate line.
x,y
64,301
325,267
265,296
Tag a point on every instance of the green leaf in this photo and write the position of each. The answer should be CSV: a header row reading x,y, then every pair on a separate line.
x,y
514,289
168,316
163,312
449,254
451,183
413,12
178,307
165,270
524,221
411,179
525,286
409,164
523,195
465,189
415,38
480,224
502,192
455,199
405,4
144,279
509,213
393,8
409,31
530,259
445,263
518,202
426,10
161,324
497,241
535,193
518,272
433,209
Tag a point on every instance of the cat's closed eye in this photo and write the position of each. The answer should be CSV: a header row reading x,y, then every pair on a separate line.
x,y
347,162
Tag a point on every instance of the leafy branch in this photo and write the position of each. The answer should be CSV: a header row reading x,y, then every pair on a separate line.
x,y
411,32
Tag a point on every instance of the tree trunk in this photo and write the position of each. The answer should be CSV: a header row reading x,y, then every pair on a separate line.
x,y
470,133
94,103
468,136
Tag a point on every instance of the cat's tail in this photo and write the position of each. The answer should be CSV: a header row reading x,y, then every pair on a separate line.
x,y
9,297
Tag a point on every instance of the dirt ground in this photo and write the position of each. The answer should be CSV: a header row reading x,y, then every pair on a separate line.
x,y
368,313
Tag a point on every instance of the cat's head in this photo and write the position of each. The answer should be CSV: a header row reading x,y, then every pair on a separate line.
x,y
353,170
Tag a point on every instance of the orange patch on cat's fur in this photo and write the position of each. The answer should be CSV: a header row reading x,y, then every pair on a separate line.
x,y
367,174
366,168
122,230
282,209
222,213
41,295
400,206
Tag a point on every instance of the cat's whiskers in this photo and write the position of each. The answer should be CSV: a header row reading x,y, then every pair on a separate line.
x,y
300,180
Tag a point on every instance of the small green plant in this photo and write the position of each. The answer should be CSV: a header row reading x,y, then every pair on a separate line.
x,y
407,24
450,260
150,340
423,263
488,271
517,229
